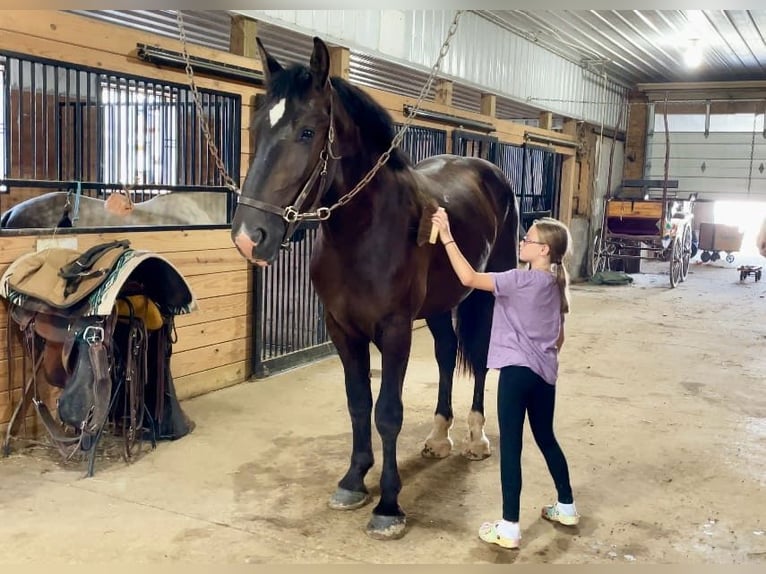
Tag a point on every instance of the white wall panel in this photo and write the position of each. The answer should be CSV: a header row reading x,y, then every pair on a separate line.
x,y
481,54
718,166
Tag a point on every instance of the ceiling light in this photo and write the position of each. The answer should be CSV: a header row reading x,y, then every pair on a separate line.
x,y
693,54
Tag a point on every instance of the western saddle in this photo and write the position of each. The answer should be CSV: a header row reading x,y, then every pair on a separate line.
x,y
112,361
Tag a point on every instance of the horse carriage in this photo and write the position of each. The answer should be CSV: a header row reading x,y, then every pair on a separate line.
x,y
645,227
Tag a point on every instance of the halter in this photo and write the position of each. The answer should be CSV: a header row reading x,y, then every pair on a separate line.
x,y
292,214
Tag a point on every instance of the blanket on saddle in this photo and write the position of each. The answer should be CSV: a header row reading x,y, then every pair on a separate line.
x,y
90,283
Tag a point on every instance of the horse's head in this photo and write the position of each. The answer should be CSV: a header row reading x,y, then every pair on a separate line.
x,y
292,162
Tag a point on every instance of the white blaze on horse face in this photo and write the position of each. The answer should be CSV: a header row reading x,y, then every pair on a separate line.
x,y
276,113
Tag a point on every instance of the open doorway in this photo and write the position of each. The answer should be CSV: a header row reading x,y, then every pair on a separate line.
x,y
747,215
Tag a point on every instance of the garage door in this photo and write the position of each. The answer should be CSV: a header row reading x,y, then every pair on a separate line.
x,y
726,161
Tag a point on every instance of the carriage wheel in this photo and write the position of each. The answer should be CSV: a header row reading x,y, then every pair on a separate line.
x,y
687,252
599,261
676,262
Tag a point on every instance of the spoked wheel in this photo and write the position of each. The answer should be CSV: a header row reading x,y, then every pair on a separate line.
x,y
600,260
686,254
676,262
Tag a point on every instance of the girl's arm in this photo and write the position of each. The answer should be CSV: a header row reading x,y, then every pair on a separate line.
x,y
560,341
467,274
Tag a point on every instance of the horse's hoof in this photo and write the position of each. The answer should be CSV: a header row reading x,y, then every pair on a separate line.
x,y
437,448
386,527
343,499
477,451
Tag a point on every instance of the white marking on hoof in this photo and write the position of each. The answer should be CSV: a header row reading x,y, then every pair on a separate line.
x,y
438,443
276,113
477,444
386,527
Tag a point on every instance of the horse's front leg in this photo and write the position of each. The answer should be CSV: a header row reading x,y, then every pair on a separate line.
x,y
438,443
354,353
394,339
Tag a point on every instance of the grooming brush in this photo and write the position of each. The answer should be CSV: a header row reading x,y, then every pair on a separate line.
x,y
427,231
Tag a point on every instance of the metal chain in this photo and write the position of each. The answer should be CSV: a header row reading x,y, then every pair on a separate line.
x,y
408,120
381,160
230,183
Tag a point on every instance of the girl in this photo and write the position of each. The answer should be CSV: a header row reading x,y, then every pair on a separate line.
x,y
527,334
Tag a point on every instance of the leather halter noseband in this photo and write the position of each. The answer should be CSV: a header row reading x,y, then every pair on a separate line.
x,y
292,214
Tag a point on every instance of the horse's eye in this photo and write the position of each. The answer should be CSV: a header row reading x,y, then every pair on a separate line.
x,y
307,134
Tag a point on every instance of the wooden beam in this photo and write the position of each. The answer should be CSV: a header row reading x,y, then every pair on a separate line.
x,y
444,92
340,58
568,182
546,120
570,127
242,36
489,105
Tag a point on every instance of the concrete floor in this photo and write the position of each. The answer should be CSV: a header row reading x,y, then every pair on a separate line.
x,y
660,411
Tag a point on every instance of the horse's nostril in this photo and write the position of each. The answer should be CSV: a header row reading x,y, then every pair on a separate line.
x,y
258,236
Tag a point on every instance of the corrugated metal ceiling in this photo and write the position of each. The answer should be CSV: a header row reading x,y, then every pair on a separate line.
x,y
635,46
211,28
631,46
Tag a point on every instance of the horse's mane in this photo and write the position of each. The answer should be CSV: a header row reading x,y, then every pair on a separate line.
x,y
370,117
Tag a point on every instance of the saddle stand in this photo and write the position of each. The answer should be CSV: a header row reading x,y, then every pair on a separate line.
x,y
92,323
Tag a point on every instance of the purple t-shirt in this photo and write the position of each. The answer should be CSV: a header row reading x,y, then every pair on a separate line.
x,y
526,322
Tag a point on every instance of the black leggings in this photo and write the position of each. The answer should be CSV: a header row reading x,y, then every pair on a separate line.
x,y
520,391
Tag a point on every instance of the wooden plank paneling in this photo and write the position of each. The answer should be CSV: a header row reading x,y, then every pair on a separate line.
x,y
218,284
217,308
77,33
211,380
210,333
196,360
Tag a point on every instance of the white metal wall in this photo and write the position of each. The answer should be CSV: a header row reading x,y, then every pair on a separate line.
x,y
603,150
721,166
481,54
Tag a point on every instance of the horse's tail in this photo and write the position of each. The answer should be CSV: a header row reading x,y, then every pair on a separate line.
x,y
474,322
474,314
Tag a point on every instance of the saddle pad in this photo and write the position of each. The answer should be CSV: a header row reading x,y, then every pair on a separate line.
x,y
38,275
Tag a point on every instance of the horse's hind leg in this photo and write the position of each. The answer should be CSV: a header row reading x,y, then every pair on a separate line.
x,y
474,325
438,443
354,353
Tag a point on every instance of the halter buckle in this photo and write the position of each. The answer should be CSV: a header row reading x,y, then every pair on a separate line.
x,y
290,215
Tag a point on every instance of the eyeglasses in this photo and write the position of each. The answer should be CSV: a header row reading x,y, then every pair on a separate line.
x,y
525,240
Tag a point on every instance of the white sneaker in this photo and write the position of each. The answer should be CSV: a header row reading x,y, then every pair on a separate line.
x,y
554,513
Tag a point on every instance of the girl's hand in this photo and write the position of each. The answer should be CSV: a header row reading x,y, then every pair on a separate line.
x,y
441,221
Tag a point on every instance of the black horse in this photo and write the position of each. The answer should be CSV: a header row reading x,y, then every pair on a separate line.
x,y
315,138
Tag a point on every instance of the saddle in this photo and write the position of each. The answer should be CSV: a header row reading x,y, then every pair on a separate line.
x,y
62,278
57,299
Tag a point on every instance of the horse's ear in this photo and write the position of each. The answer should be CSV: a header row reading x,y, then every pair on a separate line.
x,y
268,62
320,63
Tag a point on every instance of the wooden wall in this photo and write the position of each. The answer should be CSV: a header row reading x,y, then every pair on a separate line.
x,y
213,342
